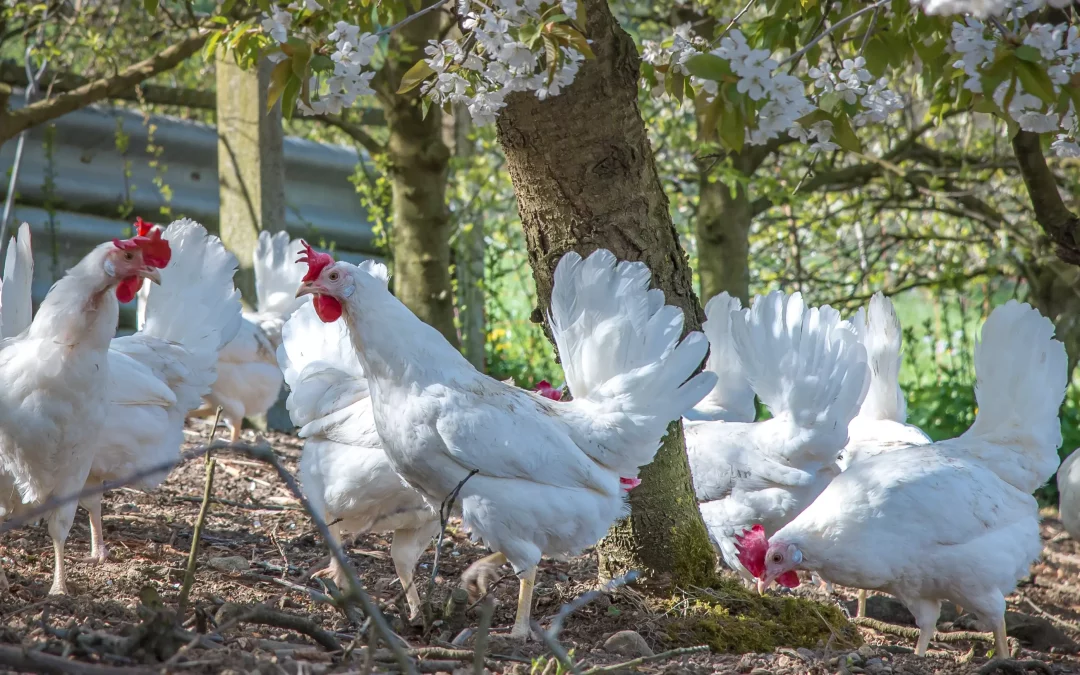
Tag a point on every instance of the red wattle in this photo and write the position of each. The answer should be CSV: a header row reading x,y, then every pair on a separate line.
x,y
128,287
328,309
788,579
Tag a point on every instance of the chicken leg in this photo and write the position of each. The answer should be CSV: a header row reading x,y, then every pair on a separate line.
x,y
405,551
522,630
926,615
860,609
1001,640
98,550
334,571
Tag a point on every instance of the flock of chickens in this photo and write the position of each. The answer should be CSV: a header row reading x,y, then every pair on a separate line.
x,y
394,419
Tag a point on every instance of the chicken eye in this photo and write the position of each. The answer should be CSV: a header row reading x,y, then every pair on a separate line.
x,y
778,558
333,276
128,255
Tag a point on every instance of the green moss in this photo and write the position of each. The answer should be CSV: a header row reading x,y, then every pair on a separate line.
x,y
729,618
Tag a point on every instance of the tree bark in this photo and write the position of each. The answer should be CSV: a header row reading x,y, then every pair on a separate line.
x,y
1059,223
723,221
1053,285
251,164
419,164
585,178
468,254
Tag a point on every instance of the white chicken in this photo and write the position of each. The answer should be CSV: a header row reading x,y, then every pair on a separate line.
x,y
1068,484
732,399
344,470
547,473
160,373
880,524
248,378
880,425
810,370
51,407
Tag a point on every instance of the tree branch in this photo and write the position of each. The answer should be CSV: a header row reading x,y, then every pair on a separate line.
x,y
12,122
1059,223
354,131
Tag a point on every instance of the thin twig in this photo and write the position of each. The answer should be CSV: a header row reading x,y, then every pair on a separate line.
x,y
1053,619
481,643
847,19
445,509
671,653
272,617
200,523
356,590
412,17
731,24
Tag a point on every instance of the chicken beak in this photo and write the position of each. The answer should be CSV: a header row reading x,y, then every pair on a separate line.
x,y
151,273
761,586
306,288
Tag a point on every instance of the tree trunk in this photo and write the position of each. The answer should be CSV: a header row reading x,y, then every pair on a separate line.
x,y
251,164
418,166
468,253
1056,220
585,178
1053,284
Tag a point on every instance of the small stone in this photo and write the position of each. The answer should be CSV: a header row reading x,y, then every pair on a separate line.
x,y
627,643
855,659
232,563
806,655
866,651
761,671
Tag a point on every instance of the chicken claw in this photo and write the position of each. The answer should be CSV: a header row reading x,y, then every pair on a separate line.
x,y
479,576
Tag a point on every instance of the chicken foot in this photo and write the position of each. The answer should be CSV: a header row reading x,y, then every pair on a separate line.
x,y
334,571
478,578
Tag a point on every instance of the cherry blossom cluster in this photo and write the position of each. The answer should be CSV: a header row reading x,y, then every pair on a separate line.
x,y
352,53
491,60
781,98
1057,46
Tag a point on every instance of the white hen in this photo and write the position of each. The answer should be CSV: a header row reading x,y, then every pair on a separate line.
x,y
810,370
158,375
1068,484
546,473
248,378
880,425
732,399
880,524
54,371
345,472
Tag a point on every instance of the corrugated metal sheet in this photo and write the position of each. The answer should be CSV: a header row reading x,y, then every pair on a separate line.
x,y
91,178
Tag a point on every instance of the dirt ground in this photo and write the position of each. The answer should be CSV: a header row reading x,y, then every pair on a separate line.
x,y
270,546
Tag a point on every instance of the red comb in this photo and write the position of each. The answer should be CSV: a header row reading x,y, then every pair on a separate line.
x,y
545,389
316,261
142,228
753,546
155,250
629,484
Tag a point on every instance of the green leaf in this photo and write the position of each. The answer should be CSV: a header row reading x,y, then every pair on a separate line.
x,y
150,6
1036,81
574,39
844,135
279,77
733,128
877,56
675,85
419,72
1000,69
529,33
425,106
709,67
210,50
227,6
829,101
321,63
1028,53
300,57
265,6
558,18
552,54
288,98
